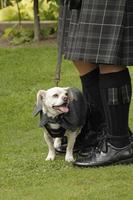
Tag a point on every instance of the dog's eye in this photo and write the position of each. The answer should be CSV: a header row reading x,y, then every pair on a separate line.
x,y
55,95
66,94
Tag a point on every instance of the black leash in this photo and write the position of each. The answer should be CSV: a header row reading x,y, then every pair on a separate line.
x,y
60,47
72,4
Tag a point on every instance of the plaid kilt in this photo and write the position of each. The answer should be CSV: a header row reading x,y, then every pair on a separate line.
x,y
100,32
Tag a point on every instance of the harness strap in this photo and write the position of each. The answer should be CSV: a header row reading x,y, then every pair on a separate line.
x,y
60,132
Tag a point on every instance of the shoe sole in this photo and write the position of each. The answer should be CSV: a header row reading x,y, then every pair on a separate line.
x,y
121,162
127,161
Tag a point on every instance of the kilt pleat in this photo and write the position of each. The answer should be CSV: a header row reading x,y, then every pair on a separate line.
x,y
100,32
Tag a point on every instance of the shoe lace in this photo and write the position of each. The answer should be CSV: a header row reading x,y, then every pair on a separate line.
x,y
102,138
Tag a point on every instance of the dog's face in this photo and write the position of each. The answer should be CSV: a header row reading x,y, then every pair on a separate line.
x,y
54,101
57,100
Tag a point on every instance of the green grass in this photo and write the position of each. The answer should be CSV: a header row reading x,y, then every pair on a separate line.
x,y
24,173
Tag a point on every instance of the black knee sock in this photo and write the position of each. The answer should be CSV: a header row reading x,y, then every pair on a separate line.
x,y
90,85
95,116
116,96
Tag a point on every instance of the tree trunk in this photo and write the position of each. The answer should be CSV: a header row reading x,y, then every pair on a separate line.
x,y
36,21
19,14
5,3
1,3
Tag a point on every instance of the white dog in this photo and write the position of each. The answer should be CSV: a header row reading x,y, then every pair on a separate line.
x,y
62,112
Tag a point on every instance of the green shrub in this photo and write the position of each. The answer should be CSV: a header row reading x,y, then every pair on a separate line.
x,y
48,10
9,13
26,9
21,36
7,33
17,35
46,32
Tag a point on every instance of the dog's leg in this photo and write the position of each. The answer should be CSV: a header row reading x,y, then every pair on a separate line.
x,y
57,143
71,136
50,143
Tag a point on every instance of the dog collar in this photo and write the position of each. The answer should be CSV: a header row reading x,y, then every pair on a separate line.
x,y
44,119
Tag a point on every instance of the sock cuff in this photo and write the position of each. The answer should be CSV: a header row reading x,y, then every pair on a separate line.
x,y
90,77
115,79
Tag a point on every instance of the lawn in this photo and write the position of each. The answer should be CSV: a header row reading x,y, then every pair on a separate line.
x,y
24,173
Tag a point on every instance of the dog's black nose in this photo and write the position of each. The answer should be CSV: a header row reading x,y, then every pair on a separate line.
x,y
65,99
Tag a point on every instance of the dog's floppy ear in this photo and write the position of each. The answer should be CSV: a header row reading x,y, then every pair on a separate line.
x,y
72,94
40,97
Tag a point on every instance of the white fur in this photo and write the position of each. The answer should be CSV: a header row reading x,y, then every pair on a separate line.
x,y
47,99
57,142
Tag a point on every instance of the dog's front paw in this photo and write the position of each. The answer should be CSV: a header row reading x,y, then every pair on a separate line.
x,y
69,158
51,156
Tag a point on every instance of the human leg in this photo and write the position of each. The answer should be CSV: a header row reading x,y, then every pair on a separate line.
x,y
89,75
115,146
115,87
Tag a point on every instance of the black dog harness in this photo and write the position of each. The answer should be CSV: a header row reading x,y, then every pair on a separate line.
x,y
44,122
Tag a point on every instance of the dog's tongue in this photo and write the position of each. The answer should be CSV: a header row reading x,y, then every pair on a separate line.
x,y
64,109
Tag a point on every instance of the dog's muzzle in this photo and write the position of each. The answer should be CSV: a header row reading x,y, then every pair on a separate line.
x,y
64,108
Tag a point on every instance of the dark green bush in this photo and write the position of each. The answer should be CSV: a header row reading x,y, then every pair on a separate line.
x,y
19,35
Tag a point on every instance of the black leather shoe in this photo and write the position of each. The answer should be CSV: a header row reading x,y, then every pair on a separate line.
x,y
108,155
90,141
86,152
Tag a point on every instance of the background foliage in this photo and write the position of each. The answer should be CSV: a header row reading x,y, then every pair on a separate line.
x,y
18,10
48,10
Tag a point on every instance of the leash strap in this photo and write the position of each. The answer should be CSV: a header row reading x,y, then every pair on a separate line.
x,y
60,47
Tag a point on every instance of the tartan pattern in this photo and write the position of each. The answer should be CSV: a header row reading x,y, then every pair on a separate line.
x,y
126,93
119,95
101,32
113,96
